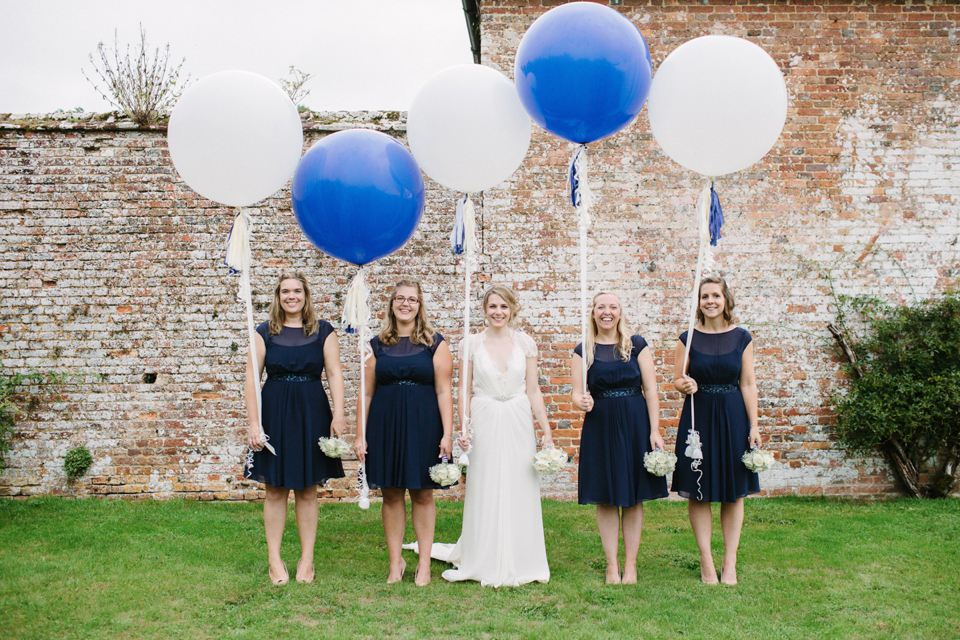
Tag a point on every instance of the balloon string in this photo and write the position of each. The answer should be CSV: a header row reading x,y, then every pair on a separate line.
x,y
469,263
355,318
703,255
582,199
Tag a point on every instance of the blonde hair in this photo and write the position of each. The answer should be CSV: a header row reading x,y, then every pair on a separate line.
x,y
423,332
624,345
508,296
278,316
728,302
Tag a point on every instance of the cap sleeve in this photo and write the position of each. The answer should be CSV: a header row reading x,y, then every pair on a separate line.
x,y
683,338
474,340
526,344
639,344
375,346
264,331
745,338
578,349
324,328
437,339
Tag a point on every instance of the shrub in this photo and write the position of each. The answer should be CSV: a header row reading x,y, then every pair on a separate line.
x,y
904,396
143,86
77,461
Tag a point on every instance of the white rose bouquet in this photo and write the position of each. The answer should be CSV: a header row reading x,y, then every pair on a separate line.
x,y
549,460
758,460
334,447
445,473
659,462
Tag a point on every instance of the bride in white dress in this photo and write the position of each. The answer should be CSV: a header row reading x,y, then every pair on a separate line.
x,y
501,543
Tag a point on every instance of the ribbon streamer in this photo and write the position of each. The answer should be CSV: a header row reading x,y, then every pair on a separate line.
x,y
465,231
709,220
238,259
355,318
581,197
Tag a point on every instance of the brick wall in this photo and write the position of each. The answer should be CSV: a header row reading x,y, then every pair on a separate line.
x,y
111,265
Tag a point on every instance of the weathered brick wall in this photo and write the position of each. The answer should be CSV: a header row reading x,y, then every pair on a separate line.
x,y
111,266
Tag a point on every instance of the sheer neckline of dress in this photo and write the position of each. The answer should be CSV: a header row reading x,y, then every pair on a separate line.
x,y
716,333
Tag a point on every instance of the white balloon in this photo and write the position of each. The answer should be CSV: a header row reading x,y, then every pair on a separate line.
x,y
717,104
467,128
235,137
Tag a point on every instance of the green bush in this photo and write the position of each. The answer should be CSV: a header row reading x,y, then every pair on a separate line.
x,y
77,461
904,396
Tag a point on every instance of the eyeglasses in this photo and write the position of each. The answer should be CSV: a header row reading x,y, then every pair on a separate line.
x,y
400,301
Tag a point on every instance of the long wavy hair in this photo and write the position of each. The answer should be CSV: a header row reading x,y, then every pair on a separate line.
x,y
728,302
423,331
508,296
624,346
277,315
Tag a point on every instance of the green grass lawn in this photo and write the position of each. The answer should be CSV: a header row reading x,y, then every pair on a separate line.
x,y
808,568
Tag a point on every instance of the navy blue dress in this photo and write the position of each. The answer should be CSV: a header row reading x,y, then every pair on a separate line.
x,y
721,420
616,433
404,428
295,410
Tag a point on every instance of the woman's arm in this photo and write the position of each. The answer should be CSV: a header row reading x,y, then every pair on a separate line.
x,y
365,395
463,401
748,388
250,384
443,383
331,362
581,400
682,382
652,395
535,396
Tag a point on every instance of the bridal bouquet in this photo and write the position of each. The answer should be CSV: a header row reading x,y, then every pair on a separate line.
x,y
549,460
334,447
757,460
659,462
445,473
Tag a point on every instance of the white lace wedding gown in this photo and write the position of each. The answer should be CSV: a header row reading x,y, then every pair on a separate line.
x,y
501,543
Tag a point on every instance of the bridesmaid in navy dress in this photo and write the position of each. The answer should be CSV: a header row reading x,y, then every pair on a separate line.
x,y
721,383
621,425
409,406
295,347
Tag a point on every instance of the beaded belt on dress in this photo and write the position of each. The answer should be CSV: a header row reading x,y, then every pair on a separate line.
x,y
717,388
618,393
406,383
291,377
500,397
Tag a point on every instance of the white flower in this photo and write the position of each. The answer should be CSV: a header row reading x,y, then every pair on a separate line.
x,y
758,460
445,473
549,460
693,450
659,462
334,447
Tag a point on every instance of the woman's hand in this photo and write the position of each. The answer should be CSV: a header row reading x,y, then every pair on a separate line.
x,y
253,438
464,440
446,448
586,403
547,440
338,424
754,439
656,441
360,448
685,384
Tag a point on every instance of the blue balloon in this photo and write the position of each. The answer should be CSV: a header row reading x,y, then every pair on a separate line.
x,y
583,71
358,195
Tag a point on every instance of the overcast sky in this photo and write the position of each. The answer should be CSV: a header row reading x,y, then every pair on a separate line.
x,y
363,54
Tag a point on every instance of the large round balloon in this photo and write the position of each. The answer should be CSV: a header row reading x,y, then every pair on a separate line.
x,y
235,137
717,104
582,71
358,195
467,128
